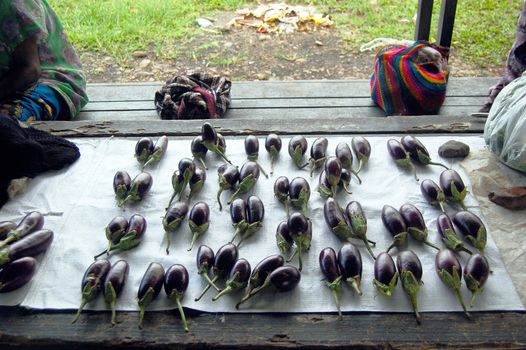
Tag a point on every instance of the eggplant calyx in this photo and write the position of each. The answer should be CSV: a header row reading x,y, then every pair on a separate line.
x,y
324,191
474,286
399,240
386,289
335,287
342,231
421,236
197,231
355,283
452,280
454,243
412,286
144,302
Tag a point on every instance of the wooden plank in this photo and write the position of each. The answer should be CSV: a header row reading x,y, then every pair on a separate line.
x,y
26,329
283,89
263,126
423,19
446,22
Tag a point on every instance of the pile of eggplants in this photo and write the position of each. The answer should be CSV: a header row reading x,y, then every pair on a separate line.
x,y
127,189
213,142
237,278
296,192
418,152
124,234
400,156
252,151
247,217
147,153
273,146
248,176
220,264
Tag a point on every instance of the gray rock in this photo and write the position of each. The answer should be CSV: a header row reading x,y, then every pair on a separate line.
x,y
453,149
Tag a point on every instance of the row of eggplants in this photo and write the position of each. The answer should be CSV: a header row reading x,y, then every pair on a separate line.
x,y
19,244
452,188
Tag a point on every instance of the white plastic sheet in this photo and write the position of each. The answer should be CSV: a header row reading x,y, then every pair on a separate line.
x,y
79,202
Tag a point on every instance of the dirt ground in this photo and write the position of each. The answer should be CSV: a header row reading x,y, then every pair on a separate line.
x,y
243,54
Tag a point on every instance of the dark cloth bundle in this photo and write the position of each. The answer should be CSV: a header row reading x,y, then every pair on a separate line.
x,y
27,152
195,96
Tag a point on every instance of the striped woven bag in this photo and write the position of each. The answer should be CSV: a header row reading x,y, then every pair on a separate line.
x,y
410,80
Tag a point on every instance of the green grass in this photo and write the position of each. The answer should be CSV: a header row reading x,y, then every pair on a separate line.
x,y
484,29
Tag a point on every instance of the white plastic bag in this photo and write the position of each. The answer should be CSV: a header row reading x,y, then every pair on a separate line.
x,y
505,129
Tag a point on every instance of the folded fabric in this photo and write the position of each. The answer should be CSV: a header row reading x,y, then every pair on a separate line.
x,y
195,96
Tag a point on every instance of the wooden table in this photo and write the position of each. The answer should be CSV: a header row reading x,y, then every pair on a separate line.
x,y
305,107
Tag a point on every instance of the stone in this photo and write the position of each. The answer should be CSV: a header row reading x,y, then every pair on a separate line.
x,y
140,54
145,63
453,149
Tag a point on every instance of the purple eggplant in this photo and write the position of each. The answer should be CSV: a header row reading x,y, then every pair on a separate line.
x,y
358,223
92,282
205,261
150,287
418,151
181,178
335,219
350,263
318,153
237,278
140,185
450,272
344,154
30,245
453,187
5,228
410,272
333,277
176,281
121,185
252,151
143,150
281,190
345,180
221,143
362,150
255,212
476,273
172,220
283,238
115,230
158,151
228,176
324,187
197,182
433,193
385,274
300,229
333,172
133,236
248,176
415,224
260,275
224,260
395,224
114,284
199,221
17,273
471,228
32,222
211,141
400,155
198,150
238,215
297,148
299,193
449,236
273,146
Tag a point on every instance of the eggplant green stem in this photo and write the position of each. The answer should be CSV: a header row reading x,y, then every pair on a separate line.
x,y
210,284
222,292
181,312
439,164
79,311
368,246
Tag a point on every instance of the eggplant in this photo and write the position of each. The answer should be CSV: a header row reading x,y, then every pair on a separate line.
x,y
345,180
172,220
133,236
297,148
449,236
121,185
333,172
255,212
260,273
395,224
476,273
333,276
92,282
114,284
238,215
453,187
450,272
385,274
273,146
208,133
418,151
197,181
410,271
252,151
433,194
221,143
143,150
140,185
17,273
300,229
5,228
115,230
237,278
344,154
248,176
181,178
358,223
158,151
150,287
350,263
224,260
175,283
30,245
299,193
362,149
281,190
228,176
335,219
283,238
199,221
471,228
205,261
211,141
415,224
198,150
318,153
324,187
400,155
32,222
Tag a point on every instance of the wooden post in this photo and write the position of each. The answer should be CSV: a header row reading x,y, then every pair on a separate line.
x,y
423,19
446,22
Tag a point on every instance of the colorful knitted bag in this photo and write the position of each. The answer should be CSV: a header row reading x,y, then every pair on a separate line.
x,y
410,80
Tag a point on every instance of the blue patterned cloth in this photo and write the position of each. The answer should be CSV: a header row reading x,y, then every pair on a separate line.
x,y
39,103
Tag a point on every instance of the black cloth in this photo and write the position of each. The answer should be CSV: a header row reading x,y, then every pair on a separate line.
x,y
27,152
